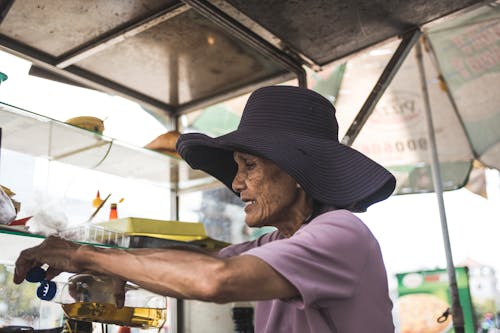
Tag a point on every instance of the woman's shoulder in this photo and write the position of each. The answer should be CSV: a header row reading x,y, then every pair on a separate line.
x,y
337,216
340,218
236,249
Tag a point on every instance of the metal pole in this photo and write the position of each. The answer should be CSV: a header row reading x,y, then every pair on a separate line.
x,y
176,304
456,308
290,61
383,82
0,148
4,9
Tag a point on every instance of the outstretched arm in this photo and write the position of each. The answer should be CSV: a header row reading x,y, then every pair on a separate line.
x,y
170,272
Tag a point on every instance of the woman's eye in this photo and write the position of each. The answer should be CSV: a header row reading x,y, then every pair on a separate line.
x,y
249,165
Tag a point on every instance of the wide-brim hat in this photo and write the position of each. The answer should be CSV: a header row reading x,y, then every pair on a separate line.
x,y
295,128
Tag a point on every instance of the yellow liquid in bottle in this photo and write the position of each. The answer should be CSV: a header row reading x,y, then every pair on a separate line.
x,y
110,314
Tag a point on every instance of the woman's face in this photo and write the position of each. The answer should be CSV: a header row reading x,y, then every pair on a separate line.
x,y
269,193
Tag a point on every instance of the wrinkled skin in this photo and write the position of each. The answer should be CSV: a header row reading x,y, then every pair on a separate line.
x,y
271,196
59,255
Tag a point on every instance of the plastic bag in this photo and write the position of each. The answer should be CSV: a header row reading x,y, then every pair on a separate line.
x,y
48,217
7,210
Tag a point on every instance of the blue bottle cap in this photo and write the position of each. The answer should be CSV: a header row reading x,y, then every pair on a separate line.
x,y
47,290
36,274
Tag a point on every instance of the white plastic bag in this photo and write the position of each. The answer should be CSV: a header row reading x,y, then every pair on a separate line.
x,y
48,217
7,210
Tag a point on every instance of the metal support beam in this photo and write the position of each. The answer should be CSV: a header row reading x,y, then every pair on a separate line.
x,y
456,308
49,75
120,34
123,90
73,73
4,8
227,94
256,27
24,51
0,148
383,82
217,16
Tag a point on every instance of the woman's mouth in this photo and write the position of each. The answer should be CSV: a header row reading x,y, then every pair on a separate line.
x,y
248,204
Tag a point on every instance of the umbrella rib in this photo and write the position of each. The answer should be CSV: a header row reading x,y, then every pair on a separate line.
x,y
434,60
383,82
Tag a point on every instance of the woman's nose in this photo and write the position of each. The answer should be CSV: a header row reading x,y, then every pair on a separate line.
x,y
238,184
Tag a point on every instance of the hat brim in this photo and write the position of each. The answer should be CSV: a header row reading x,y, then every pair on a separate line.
x,y
352,178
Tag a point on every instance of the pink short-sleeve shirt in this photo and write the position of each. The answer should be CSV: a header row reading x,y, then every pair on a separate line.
x,y
336,264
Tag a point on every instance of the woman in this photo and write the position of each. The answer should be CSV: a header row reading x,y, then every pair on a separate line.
x,y
320,271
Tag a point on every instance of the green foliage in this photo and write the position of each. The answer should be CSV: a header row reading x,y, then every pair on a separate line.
x,y
17,301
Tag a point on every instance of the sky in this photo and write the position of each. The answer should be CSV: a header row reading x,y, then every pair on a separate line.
x,y
408,227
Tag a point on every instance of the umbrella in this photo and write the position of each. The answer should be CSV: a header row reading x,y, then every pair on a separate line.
x,y
438,115
435,114
462,68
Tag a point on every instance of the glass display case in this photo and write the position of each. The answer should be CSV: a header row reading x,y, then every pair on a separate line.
x,y
55,170
44,160
19,305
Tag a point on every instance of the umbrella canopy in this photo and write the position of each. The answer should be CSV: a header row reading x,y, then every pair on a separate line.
x,y
439,114
462,65
461,68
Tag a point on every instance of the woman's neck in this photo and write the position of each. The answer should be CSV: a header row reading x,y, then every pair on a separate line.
x,y
299,219
320,208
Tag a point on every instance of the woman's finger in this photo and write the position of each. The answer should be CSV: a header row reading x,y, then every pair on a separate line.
x,y
52,273
56,252
24,263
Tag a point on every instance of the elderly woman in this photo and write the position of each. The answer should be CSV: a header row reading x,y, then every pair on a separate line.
x,y
320,271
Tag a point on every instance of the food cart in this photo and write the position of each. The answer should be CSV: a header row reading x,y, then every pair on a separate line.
x,y
176,57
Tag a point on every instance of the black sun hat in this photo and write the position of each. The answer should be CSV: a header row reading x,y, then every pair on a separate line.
x,y
295,128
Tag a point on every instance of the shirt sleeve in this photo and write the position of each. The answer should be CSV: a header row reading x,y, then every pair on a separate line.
x,y
237,249
324,259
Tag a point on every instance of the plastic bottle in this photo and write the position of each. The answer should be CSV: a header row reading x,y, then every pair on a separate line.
x,y
113,211
89,297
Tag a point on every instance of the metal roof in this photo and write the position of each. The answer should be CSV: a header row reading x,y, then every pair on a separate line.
x,y
176,56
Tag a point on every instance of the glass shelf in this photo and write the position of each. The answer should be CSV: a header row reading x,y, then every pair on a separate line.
x,y
29,140
13,242
16,240
30,133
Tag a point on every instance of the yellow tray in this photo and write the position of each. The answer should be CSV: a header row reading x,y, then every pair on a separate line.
x,y
176,230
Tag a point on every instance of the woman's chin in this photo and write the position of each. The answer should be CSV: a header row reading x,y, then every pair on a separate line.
x,y
251,223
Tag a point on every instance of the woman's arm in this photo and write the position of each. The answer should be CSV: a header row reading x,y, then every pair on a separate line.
x,y
170,272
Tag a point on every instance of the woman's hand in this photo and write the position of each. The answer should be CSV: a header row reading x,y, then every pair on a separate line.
x,y
175,273
57,253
